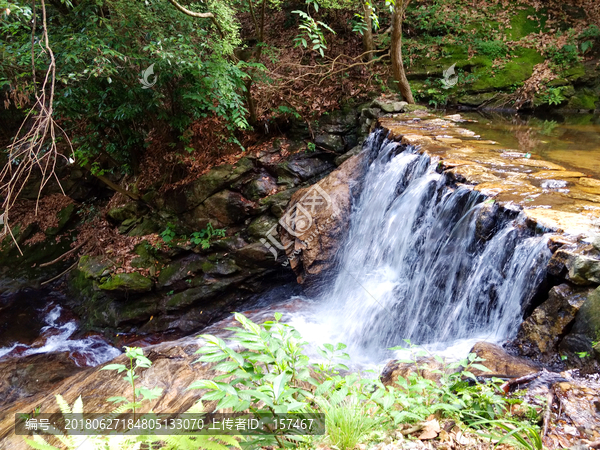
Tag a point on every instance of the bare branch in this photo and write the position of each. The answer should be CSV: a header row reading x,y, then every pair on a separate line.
x,y
199,15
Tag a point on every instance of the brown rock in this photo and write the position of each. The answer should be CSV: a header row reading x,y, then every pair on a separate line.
x,y
551,320
229,207
570,223
556,174
22,377
171,369
316,220
428,368
501,363
473,174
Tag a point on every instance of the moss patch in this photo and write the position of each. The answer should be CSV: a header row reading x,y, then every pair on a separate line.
x,y
130,282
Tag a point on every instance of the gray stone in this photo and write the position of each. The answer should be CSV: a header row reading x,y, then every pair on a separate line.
x,y
349,154
399,106
371,113
331,142
584,269
596,242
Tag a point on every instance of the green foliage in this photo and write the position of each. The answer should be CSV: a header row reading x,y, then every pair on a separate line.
x,y
205,237
311,30
565,56
136,360
588,36
168,234
553,95
347,422
101,47
265,369
310,147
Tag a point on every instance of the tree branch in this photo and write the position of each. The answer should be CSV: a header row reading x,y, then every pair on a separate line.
x,y
199,15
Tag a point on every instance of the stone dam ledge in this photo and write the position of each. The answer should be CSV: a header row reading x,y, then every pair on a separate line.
x,y
552,197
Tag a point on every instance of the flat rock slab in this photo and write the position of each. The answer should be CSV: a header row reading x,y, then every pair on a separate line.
x,y
551,196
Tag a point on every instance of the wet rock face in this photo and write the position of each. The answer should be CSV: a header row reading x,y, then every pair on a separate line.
x,y
550,321
23,377
317,218
586,328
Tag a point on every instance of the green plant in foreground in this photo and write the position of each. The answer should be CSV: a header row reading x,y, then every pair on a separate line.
x,y
135,355
205,236
265,369
168,234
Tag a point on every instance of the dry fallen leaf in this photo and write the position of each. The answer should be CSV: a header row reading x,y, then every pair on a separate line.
x,y
430,430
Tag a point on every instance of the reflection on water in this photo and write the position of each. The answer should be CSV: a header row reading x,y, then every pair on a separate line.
x,y
572,141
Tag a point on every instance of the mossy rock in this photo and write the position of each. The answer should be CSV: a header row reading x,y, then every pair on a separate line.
x,y
216,179
128,282
584,100
514,72
145,227
146,256
190,296
259,227
522,25
277,203
92,267
415,107
574,73
121,213
586,329
65,215
476,99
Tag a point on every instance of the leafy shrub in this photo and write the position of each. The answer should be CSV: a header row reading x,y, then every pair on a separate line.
x,y
553,95
566,55
204,237
265,369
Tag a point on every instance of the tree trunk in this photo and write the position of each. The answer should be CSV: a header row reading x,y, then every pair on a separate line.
x,y
368,45
396,51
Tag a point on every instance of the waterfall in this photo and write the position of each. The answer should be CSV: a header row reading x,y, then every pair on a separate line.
x,y
420,264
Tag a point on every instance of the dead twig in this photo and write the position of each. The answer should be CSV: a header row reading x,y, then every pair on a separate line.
x,y
64,255
549,402
60,274
36,149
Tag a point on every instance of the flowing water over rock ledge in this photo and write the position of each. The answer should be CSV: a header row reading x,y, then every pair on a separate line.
x,y
452,237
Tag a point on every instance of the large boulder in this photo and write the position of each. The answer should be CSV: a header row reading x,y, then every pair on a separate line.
x,y
317,218
500,363
542,331
586,328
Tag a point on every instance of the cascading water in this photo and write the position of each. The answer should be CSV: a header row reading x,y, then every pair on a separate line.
x,y
416,264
